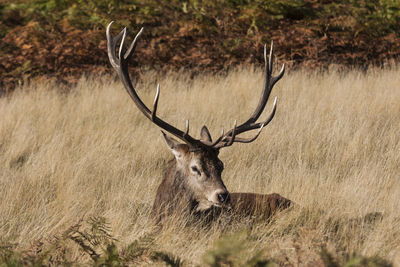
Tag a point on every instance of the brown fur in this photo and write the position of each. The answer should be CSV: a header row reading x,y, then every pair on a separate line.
x,y
263,205
173,195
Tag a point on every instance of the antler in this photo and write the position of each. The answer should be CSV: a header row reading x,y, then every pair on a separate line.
x,y
231,136
120,64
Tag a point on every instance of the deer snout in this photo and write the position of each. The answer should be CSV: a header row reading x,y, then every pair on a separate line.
x,y
223,197
219,197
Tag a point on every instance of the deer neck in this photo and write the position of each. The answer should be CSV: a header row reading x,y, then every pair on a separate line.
x,y
172,193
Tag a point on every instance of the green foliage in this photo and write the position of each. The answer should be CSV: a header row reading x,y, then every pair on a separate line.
x,y
97,242
167,258
378,17
96,236
93,238
233,250
353,261
8,255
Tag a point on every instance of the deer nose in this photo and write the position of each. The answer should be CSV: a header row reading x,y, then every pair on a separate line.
x,y
223,197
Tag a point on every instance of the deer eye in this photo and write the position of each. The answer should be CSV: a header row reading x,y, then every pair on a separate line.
x,y
195,170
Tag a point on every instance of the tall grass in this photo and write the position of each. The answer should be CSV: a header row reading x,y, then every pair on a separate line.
x,y
333,148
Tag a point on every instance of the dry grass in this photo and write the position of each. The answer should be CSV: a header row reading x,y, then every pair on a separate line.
x,y
333,146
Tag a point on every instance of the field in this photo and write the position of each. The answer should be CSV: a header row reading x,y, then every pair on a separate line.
x,y
79,170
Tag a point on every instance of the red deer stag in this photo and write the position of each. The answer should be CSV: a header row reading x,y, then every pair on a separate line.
x,y
192,181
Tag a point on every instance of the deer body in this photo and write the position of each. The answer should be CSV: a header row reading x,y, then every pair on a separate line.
x,y
192,182
262,205
174,195
166,202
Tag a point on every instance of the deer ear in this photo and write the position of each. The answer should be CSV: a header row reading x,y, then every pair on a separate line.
x,y
177,148
205,134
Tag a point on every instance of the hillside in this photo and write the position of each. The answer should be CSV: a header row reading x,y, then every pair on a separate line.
x,y
65,38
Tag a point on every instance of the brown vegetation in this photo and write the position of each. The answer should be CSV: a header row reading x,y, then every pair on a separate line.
x,y
63,38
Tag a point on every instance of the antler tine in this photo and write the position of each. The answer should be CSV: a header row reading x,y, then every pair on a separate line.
x,y
249,140
257,125
155,104
272,114
270,58
233,135
132,47
230,138
187,129
121,45
112,44
275,79
254,126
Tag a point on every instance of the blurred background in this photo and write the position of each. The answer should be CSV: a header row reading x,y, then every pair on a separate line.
x,y
62,39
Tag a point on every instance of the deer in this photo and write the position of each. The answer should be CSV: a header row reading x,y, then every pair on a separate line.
x,y
192,182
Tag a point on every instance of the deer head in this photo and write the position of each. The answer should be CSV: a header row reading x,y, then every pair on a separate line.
x,y
197,162
198,174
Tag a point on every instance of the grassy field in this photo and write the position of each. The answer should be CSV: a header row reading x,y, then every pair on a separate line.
x,y
333,148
